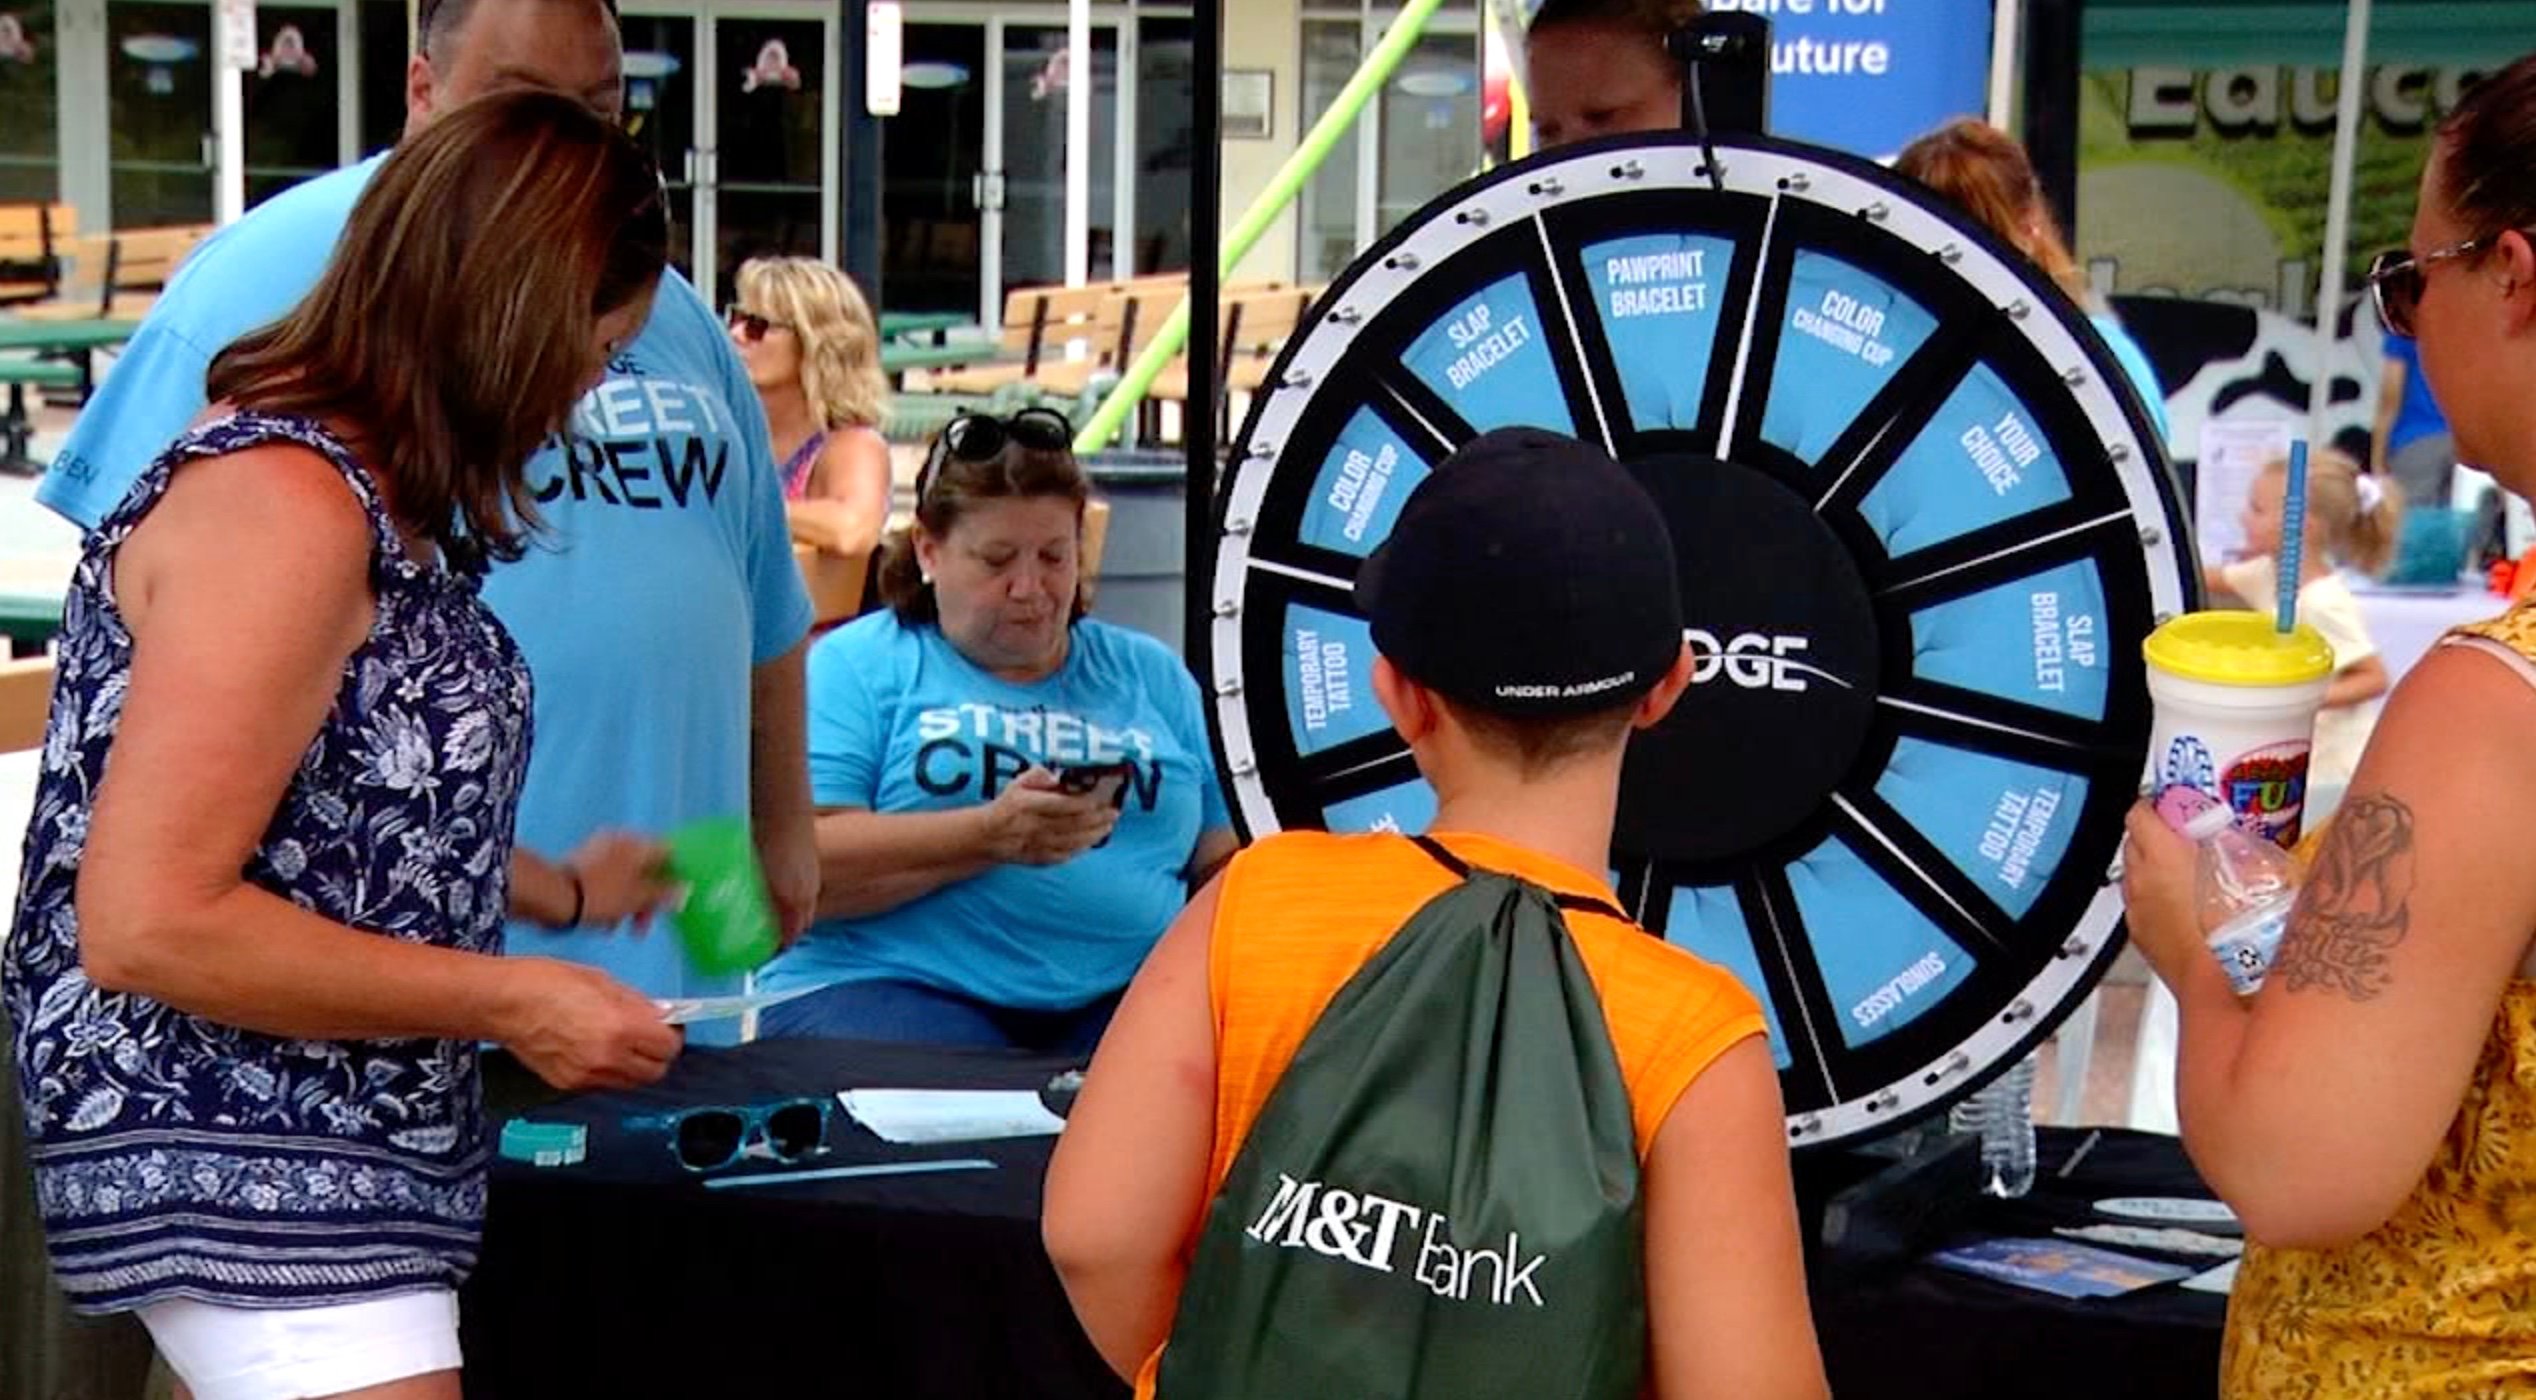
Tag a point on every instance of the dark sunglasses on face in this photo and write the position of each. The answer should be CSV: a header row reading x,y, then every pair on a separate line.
x,y
748,323
979,437
709,1139
2397,280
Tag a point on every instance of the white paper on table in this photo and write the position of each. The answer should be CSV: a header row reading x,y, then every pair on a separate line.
x,y
2233,454
2218,1280
911,1116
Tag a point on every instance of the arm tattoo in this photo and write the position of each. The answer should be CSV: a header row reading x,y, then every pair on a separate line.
x,y
2357,904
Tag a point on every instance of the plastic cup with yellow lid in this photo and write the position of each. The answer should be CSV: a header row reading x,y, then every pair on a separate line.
x,y
2236,701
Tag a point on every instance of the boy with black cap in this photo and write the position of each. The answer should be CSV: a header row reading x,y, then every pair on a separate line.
x,y
1526,613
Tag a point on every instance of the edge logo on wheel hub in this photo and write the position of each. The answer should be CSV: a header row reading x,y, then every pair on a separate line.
x,y
1781,696
1755,661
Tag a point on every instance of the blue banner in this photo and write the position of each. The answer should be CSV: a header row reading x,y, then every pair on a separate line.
x,y
1866,76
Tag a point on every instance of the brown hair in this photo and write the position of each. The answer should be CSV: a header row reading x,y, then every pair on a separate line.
x,y
1658,18
2488,145
1535,747
452,328
2359,524
949,489
1986,173
841,371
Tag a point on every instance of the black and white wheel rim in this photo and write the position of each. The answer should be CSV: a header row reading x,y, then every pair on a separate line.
x,y
1924,528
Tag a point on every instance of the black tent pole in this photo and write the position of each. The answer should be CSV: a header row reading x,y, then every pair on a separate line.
x,y
1206,239
2053,30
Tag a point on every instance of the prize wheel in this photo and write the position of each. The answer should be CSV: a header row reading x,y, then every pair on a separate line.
x,y
1923,528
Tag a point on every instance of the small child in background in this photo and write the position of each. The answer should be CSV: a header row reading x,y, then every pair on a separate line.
x,y
2352,519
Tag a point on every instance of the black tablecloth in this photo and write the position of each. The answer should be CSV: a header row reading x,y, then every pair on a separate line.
x,y
626,1276
1926,1331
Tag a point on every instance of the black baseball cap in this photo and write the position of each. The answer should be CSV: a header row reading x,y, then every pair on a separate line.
x,y
1529,575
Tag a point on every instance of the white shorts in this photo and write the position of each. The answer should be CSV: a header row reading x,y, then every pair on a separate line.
x,y
228,1353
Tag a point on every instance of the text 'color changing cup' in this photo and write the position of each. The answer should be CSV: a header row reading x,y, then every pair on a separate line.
x,y
725,921
2236,714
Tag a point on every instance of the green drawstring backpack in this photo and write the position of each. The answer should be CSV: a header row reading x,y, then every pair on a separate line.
x,y
1439,1199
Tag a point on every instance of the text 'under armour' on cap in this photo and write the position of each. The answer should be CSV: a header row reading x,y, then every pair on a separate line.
x,y
1528,575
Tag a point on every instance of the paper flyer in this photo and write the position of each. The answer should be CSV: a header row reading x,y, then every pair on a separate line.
x,y
916,1116
2059,1268
2232,454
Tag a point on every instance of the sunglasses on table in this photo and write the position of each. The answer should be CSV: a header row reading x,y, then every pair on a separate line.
x,y
749,323
980,437
709,1139
2397,279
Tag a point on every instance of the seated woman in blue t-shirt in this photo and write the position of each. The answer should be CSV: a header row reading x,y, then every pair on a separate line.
x,y
1014,799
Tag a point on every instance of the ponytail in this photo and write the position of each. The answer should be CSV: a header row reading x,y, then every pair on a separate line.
x,y
2357,513
2377,519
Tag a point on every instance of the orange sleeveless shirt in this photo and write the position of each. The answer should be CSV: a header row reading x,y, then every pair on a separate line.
x,y
1300,912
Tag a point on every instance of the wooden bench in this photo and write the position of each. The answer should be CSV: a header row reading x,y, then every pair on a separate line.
x,y
1131,318
1038,321
117,276
26,692
1252,328
31,239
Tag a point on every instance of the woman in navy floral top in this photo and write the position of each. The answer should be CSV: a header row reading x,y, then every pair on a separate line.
x,y
257,941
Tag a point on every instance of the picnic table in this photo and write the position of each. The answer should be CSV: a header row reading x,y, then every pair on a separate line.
x,y
46,355
922,340
32,585
909,325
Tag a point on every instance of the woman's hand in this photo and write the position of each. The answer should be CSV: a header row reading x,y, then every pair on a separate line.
x,y
2157,895
1033,821
622,876
578,1028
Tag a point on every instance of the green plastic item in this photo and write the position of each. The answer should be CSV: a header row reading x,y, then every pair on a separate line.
x,y
725,920
545,1144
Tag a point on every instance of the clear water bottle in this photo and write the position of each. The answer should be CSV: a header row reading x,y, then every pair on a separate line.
x,y
2002,1114
2245,886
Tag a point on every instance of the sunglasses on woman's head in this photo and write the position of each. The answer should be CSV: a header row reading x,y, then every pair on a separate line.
x,y
749,323
981,437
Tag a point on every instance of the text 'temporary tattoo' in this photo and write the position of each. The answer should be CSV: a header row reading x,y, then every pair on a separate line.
x,y
2357,904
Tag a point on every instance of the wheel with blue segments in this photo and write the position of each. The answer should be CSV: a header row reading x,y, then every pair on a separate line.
x,y
1924,525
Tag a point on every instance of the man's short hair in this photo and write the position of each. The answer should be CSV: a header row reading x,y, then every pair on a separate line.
x,y
1656,17
437,22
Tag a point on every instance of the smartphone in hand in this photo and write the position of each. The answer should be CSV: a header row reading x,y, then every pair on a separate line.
x,y
1099,781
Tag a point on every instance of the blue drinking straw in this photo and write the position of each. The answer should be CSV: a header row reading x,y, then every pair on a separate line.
x,y
2293,535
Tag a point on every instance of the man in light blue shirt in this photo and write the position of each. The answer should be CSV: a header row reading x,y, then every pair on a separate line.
x,y
661,611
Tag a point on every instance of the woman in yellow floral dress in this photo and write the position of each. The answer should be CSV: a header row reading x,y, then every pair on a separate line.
x,y
2371,1113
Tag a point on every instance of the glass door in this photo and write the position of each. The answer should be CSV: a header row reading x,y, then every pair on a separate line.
x,y
1026,158
933,176
294,100
774,120
1165,102
30,122
158,96
660,111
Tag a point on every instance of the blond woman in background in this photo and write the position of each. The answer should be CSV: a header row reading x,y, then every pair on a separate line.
x,y
813,351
